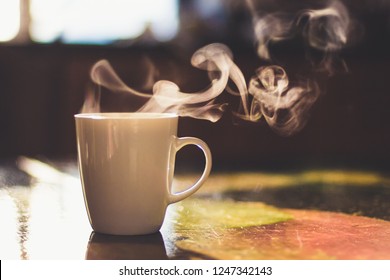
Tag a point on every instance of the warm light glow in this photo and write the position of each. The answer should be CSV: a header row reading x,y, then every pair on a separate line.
x,y
9,224
9,19
102,21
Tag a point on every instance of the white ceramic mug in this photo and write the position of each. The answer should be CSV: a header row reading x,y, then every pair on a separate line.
x,y
126,163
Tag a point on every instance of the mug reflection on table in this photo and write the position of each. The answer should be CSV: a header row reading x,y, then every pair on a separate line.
x,y
113,247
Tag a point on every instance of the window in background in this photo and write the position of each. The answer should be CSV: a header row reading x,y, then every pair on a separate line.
x,y
102,21
9,19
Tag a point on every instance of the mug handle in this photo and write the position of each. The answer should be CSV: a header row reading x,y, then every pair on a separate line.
x,y
179,143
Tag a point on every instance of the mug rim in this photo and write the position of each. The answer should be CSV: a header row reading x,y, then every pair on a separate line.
x,y
125,115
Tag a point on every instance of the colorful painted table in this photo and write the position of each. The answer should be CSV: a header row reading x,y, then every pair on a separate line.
x,y
306,214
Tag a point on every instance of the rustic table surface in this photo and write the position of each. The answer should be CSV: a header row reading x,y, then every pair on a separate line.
x,y
305,214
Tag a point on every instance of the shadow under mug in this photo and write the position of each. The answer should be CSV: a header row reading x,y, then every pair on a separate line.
x,y
126,163
114,247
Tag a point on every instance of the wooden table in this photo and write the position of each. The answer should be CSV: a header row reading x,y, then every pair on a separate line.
x,y
305,214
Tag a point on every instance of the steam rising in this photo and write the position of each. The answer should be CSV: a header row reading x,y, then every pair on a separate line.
x,y
269,96
167,96
284,104
285,109
268,29
326,30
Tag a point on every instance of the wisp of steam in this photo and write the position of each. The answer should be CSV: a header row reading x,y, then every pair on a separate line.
x,y
284,108
167,96
326,30
270,95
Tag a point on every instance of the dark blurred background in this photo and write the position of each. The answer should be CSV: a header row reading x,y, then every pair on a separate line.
x,y
45,65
